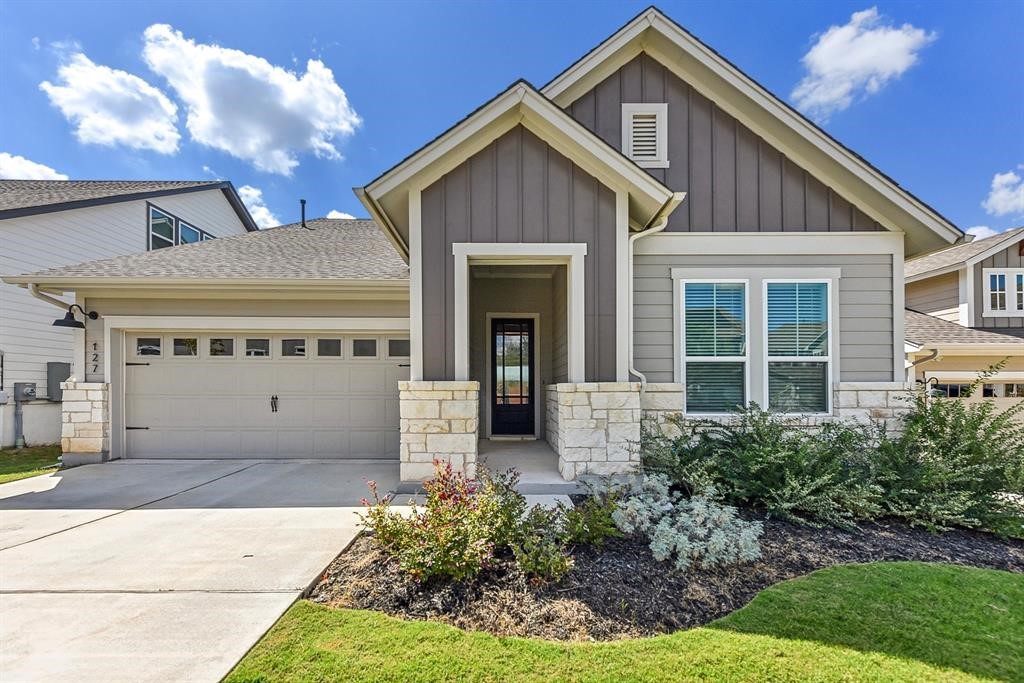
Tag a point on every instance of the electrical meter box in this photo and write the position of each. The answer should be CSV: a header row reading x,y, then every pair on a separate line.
x,y
24,391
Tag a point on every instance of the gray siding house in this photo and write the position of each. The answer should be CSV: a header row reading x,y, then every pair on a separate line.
x,y
650,233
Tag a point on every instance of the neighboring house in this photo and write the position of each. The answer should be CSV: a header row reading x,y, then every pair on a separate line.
x,y
967,314
53,223
651,232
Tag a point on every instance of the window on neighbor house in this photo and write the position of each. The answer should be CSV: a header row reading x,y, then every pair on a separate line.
x,y
1020,291
1013,390
645,134
950,390
167,230
798,346
1004,291
997,291
715,357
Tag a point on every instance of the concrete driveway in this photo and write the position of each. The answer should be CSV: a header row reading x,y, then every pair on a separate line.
x,y
164,571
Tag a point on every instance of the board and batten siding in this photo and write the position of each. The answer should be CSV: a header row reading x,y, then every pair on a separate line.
x,y
49,240
938,296
517,189
734,180
864,319
95,344
1010,257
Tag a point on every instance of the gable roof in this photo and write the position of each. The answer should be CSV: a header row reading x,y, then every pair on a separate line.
x,y
31,197
519,104
927,330
767,115
333,249
960,255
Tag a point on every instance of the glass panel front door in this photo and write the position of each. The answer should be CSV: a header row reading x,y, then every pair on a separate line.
x,y
512,380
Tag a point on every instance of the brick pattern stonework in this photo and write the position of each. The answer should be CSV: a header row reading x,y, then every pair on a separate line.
x,y
883,402
85,428
439,420
594,427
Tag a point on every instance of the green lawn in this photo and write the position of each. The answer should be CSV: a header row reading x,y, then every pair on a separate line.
x,y
27,462
878,622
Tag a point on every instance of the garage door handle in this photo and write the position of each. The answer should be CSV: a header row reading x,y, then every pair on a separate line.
x,y
136,428
273,403
134,364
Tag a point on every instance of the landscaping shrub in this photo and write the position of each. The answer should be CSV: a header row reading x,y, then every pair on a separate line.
x,y
590,522
760,458
955,463
695,530
501,507
541,552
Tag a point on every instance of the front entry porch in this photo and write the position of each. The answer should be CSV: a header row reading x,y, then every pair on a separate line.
x,y
535,461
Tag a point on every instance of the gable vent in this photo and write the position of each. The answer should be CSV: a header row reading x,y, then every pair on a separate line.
x,y
644,134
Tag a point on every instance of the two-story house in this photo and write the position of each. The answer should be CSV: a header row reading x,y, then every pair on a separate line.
x,y
966,313
52,223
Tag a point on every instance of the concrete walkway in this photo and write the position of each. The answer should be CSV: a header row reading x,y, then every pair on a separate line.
x,y
164,571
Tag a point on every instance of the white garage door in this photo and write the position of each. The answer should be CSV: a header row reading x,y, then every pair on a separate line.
x,y
259,395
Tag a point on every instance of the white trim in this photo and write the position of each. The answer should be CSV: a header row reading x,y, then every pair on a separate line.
x,y
78,345
760,243
899,316
970,376
141,323
972,301
571,253
574,82
1010,292
736,273
415,287
963,285
680,352
830,296
660,112
999,246
623,310
538,387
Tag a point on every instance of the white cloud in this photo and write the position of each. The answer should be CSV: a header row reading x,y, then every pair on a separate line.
x,y
17,167
111,107
339,214
856,60
980,232
1006,196
252,197
245,106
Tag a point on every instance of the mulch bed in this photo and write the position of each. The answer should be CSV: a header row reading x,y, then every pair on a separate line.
x,y
621,591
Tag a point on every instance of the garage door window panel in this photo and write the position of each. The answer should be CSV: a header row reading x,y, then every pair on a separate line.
x,y
328,347
398,348
257,347
187,347
293,347
364,348
222,347
148,346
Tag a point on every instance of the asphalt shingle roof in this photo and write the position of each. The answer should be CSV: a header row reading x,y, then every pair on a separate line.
x,y
957,254
924,329
333,249
22,194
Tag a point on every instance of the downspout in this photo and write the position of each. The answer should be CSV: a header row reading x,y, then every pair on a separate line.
x,y
657,224
33,289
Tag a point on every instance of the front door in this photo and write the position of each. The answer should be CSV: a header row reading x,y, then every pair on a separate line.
x,y
512,385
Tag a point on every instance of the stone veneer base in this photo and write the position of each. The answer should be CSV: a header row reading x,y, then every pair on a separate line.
x,y
85,422
594,427
438,421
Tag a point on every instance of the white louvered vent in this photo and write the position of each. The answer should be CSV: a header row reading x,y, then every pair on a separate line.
x,y
644,134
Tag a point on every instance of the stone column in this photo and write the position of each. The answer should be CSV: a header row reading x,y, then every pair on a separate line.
x,y
439,421
85,428
594,427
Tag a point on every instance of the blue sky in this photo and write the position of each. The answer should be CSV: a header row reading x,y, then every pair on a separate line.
x,y
930,92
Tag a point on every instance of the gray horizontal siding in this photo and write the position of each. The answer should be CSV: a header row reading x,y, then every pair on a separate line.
x,y
865,322
517,189
1011,257
735,181
938,295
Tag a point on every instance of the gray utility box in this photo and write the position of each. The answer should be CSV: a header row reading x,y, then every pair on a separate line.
x,y
24,391
55,374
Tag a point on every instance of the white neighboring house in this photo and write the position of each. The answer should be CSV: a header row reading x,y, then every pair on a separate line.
x,y
51,223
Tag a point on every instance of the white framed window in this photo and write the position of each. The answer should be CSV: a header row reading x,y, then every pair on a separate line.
x,y
715,365
148,346
293,347
257,347
187,234
798,346
221,347
645,134
364,348
185,347
398,348
329,347
167,230
1003,292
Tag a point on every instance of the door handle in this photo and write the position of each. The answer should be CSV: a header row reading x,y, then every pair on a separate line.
x,y
273,403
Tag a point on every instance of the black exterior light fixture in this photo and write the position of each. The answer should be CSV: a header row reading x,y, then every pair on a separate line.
x,y
69,318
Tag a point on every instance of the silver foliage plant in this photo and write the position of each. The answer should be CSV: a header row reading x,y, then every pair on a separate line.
x,y
696,531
